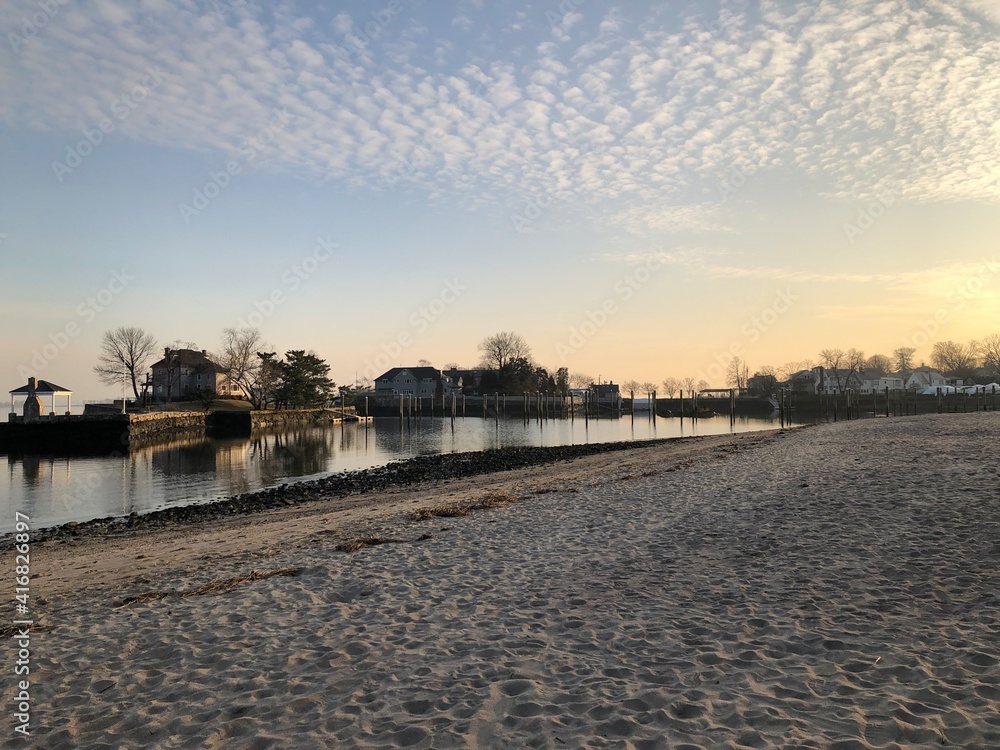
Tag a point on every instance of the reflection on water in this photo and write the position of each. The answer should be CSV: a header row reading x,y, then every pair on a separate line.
x,y
197,469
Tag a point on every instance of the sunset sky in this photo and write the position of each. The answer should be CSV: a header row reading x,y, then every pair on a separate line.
x,y
636,188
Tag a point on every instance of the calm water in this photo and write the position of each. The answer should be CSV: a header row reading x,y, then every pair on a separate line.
x,y
199,470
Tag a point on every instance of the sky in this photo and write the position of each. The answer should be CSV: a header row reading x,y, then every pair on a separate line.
x,y
640,189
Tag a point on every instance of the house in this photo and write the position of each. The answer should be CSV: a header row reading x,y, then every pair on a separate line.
x,y
925,377
803,381
184,373
420,382
825,380
464,380
878,384
838,380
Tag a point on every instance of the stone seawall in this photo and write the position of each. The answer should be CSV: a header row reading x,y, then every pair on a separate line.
x,y
96,434
285,417
145,426
93,434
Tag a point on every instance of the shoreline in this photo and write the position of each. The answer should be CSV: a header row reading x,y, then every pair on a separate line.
x,y
144,553
825,588
397,473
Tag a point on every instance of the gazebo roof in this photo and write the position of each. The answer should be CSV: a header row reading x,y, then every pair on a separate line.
x,y
43,386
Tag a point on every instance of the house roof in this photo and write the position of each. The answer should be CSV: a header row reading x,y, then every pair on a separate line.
x,y
188,358
43,386
417,372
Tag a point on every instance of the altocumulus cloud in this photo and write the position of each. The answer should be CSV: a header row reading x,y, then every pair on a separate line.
x,y
598,108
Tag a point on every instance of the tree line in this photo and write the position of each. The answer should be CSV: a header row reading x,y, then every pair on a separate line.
x,y
975,361
299,380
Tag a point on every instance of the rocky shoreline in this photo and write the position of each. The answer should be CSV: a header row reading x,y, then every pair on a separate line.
x,y
402,473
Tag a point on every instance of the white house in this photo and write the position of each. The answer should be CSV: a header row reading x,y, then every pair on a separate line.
x,y
825,380
420,382
875,384
925,377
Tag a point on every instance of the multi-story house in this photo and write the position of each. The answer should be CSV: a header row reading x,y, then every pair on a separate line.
x,y
185,373
420,382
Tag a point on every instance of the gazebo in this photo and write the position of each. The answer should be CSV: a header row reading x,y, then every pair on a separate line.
x,y
42,388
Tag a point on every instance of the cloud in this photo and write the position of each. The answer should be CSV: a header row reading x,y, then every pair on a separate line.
x,y
864,97
935,281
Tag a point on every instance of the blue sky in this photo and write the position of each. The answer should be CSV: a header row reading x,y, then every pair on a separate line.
x,y
637,188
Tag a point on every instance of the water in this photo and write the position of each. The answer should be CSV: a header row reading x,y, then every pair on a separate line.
x,y
200,469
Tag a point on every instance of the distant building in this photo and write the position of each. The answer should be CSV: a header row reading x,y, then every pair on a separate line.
x,y
464,380
33,407
825,380
878,383
926,377
803,381
184,373
420,382
605,392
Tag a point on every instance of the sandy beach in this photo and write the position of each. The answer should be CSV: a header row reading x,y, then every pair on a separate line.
x,y
835,586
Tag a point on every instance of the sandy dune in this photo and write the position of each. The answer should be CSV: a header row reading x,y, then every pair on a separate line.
x,y
831,587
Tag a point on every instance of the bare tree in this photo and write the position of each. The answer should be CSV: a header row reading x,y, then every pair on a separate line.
x,y
737,374
902,359
688,383
647,387
241,361
424,363
790,368
990,349
960,360
501,348
878,365
670,386
453,366
124,353
631,385
580,380
831,358
842,364
702,385
764,382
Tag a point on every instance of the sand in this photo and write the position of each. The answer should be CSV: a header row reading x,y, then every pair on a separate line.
x,y
828,587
